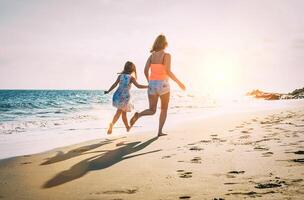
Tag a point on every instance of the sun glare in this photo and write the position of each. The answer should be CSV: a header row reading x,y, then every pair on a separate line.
x,y
218,74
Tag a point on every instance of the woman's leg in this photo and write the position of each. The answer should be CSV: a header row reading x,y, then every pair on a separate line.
x,y
115,118
153,99
125,120
164,99
151,111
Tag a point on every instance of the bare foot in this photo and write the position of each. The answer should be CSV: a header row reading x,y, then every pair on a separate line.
x,y
128,128
110,129
134,119
161,134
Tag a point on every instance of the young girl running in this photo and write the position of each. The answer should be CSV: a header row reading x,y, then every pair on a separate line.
x,y
121,97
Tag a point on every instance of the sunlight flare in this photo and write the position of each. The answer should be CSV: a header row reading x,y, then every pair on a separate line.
x,y
218,74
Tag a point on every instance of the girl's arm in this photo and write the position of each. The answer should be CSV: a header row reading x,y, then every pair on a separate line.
x,y
147,67
133,80
167,62
113,86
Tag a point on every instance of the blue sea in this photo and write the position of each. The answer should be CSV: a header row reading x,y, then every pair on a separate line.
x,y
16,105
32,121
25,110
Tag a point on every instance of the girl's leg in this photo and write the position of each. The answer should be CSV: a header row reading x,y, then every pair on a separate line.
x,y
164,99
151,111
125,120
115,118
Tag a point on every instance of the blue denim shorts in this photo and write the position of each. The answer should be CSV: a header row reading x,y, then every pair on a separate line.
x,y
158,87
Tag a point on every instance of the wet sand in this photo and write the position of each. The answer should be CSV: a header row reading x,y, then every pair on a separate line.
x,y
235,156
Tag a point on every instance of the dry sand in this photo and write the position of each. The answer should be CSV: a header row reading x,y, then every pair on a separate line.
x,y
237,156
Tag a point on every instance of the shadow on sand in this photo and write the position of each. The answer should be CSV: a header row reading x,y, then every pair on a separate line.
x,y
99,162
61,156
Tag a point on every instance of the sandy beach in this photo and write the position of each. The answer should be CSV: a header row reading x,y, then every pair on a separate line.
x,y
221,83
232,156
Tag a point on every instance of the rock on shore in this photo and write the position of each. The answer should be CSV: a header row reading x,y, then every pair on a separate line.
x,y
296,94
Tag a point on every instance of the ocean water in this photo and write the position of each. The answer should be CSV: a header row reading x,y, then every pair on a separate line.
x,y
32,121
24,110
28,110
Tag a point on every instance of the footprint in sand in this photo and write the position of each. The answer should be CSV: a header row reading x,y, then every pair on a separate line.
x,y
300,160
185,175
295,135
276,184
232,174
218,199
293,143
299,152
25,163
236,172
267,154
244,131
259,148
297,180
185,197
196,148
244,137
196,160
166,157
205,141
251,193
230,183
127,191
215,139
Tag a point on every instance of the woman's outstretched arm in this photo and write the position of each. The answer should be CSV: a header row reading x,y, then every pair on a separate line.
x,y
133,80
167,62
113,86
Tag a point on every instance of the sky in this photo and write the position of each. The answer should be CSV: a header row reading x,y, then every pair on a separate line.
x,y
216,45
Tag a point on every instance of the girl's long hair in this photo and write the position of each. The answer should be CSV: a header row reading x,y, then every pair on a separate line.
x,y
159,44
129,69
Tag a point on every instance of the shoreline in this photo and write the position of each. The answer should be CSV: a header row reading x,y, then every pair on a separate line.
x,y
140,128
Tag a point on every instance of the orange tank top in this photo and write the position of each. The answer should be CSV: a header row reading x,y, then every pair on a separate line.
x,y
158,72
